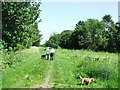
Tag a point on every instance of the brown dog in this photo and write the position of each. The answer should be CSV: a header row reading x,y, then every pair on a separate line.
x,y
88,80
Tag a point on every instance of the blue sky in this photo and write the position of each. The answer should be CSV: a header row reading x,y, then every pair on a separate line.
x,y
59,16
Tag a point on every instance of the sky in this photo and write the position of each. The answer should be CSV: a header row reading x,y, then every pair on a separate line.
x,y
59,16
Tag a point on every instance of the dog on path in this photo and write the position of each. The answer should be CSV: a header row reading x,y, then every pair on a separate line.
x,y
43,56
87,80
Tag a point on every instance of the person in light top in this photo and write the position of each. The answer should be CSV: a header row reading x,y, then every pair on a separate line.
x,y
47,53
52,52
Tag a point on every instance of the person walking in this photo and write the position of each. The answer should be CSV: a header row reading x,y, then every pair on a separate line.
x,y
47,55
52,53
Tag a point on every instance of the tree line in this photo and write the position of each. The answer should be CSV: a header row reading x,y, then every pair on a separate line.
x,y
20,25
92,34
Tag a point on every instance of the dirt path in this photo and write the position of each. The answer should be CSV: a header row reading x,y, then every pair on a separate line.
x,y
47,83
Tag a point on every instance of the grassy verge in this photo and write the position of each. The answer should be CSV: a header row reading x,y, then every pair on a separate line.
x,y
27,72
70,64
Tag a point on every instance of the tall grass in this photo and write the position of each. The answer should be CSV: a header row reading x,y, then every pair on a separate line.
x,y
70,64
25,69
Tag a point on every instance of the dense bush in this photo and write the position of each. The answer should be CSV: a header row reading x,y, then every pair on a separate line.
x,y
10,58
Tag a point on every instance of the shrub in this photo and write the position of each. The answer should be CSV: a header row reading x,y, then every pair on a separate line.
x,y
9,58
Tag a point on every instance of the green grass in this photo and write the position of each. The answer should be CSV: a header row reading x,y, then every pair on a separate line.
x,y
31,66
70,64
67,67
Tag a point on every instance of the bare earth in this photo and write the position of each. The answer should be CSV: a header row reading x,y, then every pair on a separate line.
x,y
47,83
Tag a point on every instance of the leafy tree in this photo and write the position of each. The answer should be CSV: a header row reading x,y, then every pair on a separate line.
x,y
53,41
111,34
65,39
100,37
118,37
19,20
92,34
88,34
76,36
107,18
